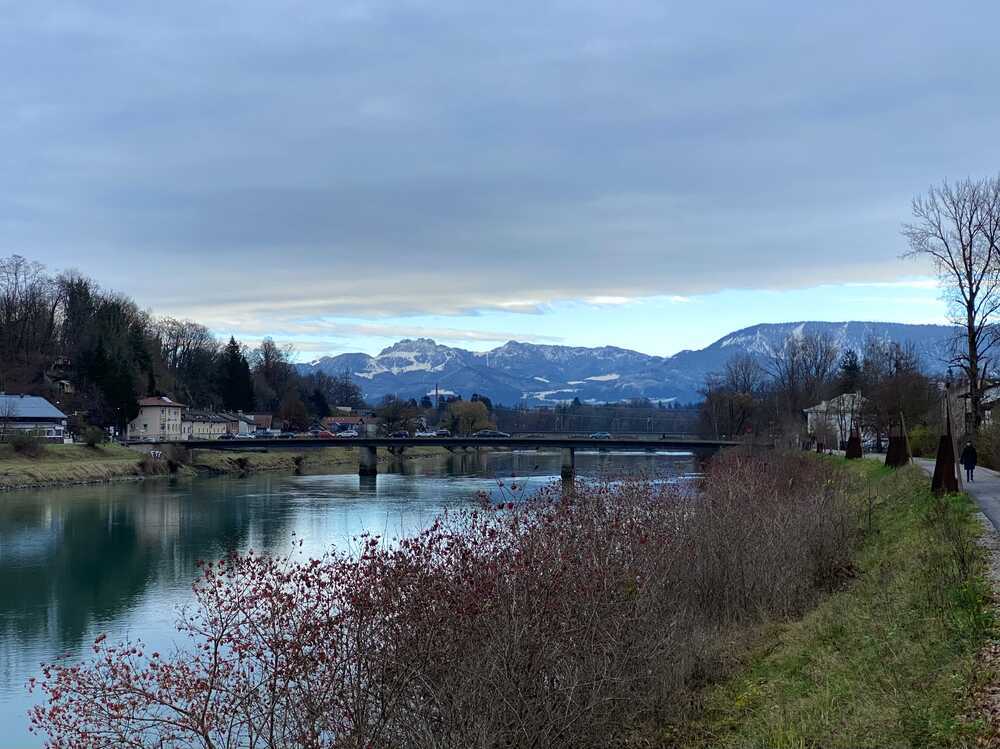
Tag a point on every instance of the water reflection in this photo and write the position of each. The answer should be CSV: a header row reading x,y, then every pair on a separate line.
x,y
67,560
121,558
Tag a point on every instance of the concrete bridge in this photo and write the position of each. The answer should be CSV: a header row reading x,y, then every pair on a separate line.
x,y
368,446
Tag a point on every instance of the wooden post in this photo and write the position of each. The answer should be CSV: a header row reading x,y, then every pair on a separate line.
x,y
946,478
897,454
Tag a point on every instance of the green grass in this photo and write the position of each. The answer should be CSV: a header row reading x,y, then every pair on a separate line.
x,y
60,464
886,662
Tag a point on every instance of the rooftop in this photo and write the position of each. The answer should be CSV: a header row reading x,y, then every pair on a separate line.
x,y
160,400
28,407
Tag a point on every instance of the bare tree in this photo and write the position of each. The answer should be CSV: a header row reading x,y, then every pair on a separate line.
x,y
958,228
8,410
744,374
803,370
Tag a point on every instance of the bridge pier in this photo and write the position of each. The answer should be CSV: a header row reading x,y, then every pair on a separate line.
x,y
568,463
367,461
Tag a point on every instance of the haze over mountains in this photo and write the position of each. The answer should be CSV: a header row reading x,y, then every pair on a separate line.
x,y
546,374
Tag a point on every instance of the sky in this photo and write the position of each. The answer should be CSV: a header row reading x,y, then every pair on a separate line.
x,y
340,175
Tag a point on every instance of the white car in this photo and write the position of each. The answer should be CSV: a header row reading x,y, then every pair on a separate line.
x,y
348,433
425,434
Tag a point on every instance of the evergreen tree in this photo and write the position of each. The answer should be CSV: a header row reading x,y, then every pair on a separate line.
x,y
319,403
235,382
849,375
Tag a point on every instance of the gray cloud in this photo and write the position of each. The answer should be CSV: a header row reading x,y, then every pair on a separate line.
x,y
387,158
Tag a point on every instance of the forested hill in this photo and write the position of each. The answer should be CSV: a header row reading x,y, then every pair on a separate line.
x,y
95,352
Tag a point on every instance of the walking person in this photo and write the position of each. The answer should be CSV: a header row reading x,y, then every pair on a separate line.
x,y
969,459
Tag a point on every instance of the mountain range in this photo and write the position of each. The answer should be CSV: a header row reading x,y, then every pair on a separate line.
x,y
545,374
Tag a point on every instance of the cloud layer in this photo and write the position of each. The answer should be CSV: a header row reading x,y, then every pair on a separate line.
x,y
268,164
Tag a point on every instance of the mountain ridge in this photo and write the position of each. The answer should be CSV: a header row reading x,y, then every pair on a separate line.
x,y
540,374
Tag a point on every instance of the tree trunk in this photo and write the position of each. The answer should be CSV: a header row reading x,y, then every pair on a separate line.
x,y
975,396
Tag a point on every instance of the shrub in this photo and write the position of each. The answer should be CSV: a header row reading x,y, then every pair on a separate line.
x,y
93,436
923,441
176,457
25,443
988,445
557,622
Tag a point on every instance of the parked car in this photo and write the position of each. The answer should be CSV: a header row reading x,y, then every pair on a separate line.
x,y
601,436
490,433
425,434
286,435
227,436
442,432
348,433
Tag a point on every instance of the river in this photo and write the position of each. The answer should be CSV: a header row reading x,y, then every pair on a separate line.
x,y
120,558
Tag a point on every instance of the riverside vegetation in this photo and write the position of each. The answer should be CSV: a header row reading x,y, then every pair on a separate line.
x,y
792,601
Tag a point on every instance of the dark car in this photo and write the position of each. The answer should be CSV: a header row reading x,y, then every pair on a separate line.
x,y
490,433
286,435
399,435
442,433
601,436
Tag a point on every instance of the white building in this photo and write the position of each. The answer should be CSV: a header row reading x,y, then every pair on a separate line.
x,y
239,423
203,425
159,420
830,422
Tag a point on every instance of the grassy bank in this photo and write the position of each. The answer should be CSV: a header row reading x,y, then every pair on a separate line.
x,y
54,465
66,464
216,461
887,661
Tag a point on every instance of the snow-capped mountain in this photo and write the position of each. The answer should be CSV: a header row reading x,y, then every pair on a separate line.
x,y
539,374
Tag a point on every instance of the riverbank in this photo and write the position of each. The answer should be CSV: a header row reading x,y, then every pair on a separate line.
x,y
555,623
67,465
54,465
893,659
308,461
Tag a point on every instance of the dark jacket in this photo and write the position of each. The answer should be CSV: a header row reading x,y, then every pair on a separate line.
x,y
969,457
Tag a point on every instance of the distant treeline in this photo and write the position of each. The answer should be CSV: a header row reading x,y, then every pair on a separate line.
x,y
95,352
753,396
637,416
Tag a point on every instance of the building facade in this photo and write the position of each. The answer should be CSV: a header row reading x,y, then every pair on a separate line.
x,y
159,419
202,425
31,414
830,422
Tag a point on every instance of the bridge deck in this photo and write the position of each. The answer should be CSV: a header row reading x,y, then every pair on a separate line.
x,y
528,443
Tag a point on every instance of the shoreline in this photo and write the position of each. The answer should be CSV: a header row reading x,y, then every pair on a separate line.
x,y
60,466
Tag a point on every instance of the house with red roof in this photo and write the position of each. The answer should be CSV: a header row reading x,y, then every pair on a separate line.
x,y
159,420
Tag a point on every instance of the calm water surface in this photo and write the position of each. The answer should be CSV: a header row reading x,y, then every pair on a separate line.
x,y
120,558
